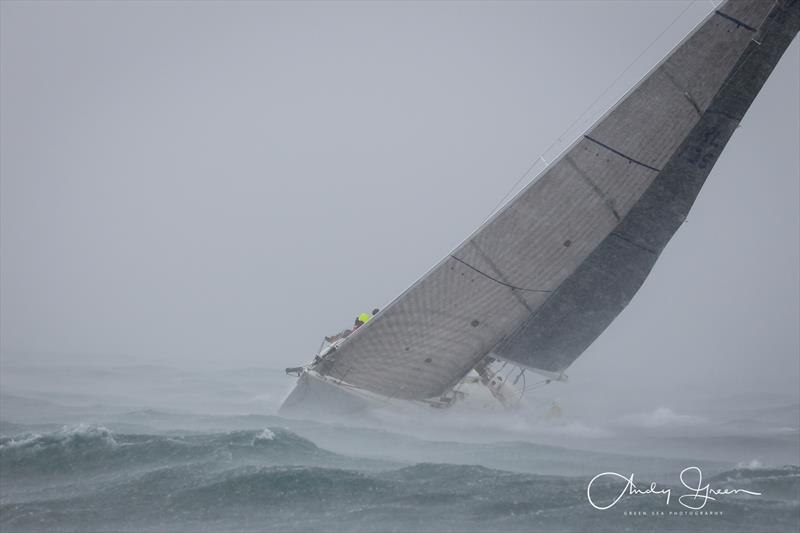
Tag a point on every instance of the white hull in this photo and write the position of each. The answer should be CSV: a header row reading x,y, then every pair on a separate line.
x,y
318,396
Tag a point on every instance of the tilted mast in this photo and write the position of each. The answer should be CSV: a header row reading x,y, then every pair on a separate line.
x,y
548,273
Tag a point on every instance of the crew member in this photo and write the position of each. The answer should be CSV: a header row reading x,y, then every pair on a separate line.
x,y
360,321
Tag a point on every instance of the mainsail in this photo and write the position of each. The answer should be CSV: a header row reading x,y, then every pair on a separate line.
x,y
539,281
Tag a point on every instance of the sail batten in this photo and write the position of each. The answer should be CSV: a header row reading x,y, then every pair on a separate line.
x,y
547,273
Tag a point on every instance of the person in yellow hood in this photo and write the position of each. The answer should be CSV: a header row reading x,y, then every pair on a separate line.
x,y
361,319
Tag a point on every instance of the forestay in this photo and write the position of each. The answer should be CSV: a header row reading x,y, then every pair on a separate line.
x,y
544,277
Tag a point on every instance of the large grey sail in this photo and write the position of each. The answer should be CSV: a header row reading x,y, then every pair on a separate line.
x,y
589,300
509,287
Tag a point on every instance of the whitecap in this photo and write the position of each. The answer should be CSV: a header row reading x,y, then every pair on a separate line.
x,y
267,434
661,417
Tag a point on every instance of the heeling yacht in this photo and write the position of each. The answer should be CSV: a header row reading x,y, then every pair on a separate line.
x,y
543,277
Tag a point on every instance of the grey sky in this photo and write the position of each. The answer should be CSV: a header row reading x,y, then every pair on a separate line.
x,y
195,183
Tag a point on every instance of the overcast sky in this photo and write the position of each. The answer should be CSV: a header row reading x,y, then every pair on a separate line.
x,y
195,182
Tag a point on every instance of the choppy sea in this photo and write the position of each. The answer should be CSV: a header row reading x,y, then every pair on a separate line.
x,y
88,462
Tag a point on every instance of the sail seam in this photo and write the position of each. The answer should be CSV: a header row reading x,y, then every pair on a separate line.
x,y
736,21
606,200
631,241
725,114
510,286
681,87
691,101
494,267
632,160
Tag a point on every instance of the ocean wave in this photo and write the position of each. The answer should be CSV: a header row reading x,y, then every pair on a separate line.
x,y
87,448
425,496
777,483
662,417
756,471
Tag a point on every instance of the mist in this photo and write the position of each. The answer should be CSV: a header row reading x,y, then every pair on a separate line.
x,y
193,194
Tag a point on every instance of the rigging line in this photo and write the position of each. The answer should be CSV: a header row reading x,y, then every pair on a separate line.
x,y
536,385
599,97
516,183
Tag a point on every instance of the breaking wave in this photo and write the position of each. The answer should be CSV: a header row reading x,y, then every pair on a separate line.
x,y
87,448
92,478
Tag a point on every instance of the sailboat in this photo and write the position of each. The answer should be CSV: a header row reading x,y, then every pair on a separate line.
x,y
542,278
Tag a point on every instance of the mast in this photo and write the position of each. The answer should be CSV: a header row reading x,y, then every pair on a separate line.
x,y
542,278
